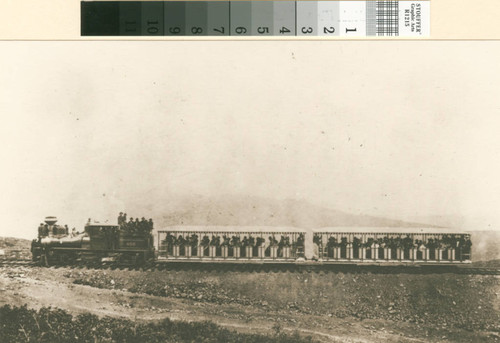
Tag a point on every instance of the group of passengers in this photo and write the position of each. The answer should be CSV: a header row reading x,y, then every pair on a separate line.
x,y
233,241
192,243
445,242
140,226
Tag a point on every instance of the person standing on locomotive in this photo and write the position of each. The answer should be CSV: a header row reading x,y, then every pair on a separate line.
x,y
40,231
130,225
143,226
121,219
46,230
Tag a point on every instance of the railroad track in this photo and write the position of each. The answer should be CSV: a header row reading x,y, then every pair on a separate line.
x,y
273,268
17,263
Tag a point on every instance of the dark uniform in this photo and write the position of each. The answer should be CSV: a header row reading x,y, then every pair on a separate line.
x,y
45,230
213,242
40,231
260,241
245,241
205,241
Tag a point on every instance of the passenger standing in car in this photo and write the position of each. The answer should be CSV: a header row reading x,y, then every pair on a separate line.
x,y
467,246
245,241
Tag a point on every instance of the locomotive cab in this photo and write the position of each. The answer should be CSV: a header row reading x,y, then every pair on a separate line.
x,y
120,242
102,236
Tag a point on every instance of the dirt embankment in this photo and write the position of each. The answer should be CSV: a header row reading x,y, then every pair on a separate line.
x,y
462,301
329,306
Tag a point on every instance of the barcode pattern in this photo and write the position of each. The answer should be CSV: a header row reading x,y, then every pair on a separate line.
x,y
387,18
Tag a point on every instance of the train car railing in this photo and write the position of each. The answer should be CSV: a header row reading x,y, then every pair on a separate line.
x,y
392,247
230,245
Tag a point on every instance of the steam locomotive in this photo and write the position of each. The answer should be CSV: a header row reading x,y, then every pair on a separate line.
x,y
98,243
131,243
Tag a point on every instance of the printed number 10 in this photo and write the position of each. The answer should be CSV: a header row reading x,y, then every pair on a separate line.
x,y
152,27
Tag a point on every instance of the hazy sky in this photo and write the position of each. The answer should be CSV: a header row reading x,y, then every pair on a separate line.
x,y
395,129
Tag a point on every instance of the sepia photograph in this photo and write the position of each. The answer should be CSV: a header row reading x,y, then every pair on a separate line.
x,y
250,191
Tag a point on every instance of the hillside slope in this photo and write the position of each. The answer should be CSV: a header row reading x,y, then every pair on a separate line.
x,y
14,243
246,210
15,248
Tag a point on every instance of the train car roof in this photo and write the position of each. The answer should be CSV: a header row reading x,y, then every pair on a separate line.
x,y
235,229
395,230
102,224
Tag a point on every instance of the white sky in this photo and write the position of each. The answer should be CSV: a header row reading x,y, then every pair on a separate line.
x,y
395,129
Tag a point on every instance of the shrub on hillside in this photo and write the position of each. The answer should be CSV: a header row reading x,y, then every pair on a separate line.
x,y
20,324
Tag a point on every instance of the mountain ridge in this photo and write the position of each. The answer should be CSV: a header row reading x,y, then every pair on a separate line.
x,y
231,210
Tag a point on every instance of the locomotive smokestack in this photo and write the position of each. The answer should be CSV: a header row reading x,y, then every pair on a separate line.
x,y
50,220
